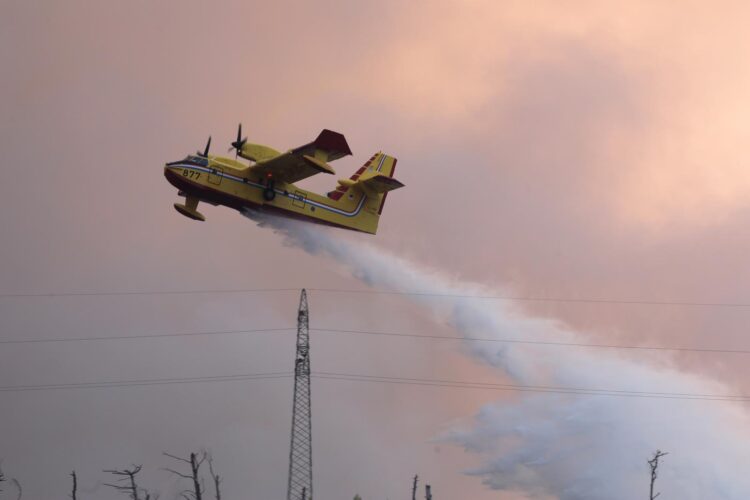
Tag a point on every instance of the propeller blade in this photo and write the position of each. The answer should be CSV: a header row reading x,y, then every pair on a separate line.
x,y
208,145
237,145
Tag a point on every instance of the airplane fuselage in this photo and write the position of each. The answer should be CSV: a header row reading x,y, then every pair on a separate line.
x,y
224,181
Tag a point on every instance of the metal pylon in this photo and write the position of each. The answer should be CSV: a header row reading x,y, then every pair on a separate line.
x,y
300,485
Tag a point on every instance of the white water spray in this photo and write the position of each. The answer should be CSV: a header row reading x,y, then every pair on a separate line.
x,y
566,446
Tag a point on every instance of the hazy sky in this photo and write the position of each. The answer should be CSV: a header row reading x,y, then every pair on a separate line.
x,y
585,150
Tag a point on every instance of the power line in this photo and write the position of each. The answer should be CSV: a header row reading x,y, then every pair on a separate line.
x,y
517,388
528,388
146,382
373,333
144,336
534,342
536,299
144,292
511,298
354,377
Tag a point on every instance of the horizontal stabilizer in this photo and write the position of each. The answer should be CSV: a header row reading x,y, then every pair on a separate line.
x,y
371,186
379,184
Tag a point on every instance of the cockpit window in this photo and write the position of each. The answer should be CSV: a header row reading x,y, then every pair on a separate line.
x,y
198,160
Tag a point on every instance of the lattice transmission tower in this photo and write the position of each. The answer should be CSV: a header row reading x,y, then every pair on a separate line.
x,y
300,452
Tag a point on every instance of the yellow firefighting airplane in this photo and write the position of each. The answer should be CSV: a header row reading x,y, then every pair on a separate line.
x,y
268,182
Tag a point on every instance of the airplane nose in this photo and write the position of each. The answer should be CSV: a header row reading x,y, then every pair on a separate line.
x,y
170,168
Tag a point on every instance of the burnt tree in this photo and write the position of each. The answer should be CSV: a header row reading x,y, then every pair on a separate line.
x,y
15,483
654,466
74,490
127,483
195,462
215,477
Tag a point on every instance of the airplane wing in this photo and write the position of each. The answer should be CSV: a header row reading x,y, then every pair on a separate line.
x,y
305,161
290,167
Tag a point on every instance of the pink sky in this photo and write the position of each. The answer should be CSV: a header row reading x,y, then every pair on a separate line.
x,y
580,150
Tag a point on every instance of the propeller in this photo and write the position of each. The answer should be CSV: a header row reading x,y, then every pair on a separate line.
x,y
205,152
239,143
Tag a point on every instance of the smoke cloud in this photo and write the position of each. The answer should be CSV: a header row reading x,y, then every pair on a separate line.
x,y
564,446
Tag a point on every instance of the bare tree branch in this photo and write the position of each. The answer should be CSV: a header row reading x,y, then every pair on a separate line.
x,y
175,457
195,465
177,473
125,472
654,465
128,476
74,492
18,487
215,477
13,481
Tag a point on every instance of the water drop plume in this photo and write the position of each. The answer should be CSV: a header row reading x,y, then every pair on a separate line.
x,y
578,446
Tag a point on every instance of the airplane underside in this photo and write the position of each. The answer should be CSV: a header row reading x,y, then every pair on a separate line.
x,y
194,193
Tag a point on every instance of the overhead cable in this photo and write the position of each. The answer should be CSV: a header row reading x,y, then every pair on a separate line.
x,y
533,342
354,377
425,294
212,333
